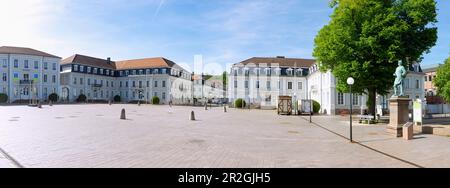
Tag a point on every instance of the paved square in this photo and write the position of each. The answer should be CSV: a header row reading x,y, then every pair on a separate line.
x,y
93,136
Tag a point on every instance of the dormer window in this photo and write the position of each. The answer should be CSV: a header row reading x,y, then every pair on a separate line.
x,y
268,71
257,71
155,71
289,72
278,71
89,70
246,71
141,72
75,68
163,71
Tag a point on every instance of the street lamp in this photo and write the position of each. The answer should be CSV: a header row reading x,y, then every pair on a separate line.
x,y
350,82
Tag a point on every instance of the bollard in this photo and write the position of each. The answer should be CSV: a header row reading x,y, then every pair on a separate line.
x,y
122,114
225,109
139,103
50,103
192,118
109,102
39,104
206,106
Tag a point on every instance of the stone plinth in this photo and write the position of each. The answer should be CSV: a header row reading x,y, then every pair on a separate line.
x,y
398,115
408,131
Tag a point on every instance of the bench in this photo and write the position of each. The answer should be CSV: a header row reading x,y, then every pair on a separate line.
x,y
366,118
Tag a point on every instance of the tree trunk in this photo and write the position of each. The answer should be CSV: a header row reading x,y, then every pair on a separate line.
x,y
371,101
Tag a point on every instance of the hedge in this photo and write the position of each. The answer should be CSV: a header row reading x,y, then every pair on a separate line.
x,y
117,98
239,103
53,97
316,106
81,98
3,97
155,100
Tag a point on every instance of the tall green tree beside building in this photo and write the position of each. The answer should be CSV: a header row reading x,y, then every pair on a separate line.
x,y
442,80
366,38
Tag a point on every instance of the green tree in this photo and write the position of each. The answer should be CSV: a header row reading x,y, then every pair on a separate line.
x,y
366,38
224,78
442,80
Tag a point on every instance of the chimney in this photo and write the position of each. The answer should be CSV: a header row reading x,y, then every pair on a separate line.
x,y
108,60
280,56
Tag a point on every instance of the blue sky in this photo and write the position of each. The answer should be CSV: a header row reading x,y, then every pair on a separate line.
x,y
222,31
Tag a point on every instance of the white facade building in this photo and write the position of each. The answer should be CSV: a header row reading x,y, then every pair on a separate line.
x,y
259,81
28,74
306,82
132,80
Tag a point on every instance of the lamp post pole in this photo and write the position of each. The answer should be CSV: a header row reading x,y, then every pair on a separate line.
x,y
350,82
310,108
351,110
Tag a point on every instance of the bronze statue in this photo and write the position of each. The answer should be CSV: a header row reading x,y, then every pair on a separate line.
x,y
400,74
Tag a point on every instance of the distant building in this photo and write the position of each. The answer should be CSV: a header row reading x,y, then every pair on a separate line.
x,y
28,74
260,81
207,87
430,89
132,80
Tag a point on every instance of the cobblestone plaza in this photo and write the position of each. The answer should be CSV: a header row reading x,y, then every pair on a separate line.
x,y
92,135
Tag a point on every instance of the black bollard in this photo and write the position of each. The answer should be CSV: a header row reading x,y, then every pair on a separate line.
x,y
225,109
192,118
39,104
122,114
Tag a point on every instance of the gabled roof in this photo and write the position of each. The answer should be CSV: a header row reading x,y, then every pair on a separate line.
x,y
156,62
25,51
89,61
280,61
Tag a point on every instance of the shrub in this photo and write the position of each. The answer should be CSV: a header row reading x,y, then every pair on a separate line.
x,y
53,97
155,100
316,106
239,103
117,98
81,98
3,97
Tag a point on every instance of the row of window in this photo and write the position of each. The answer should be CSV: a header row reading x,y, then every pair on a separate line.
x,y
26,77
340,99
102,94
139,84
26,91
268,71
110,72
26,64
430,78
133,84
268,85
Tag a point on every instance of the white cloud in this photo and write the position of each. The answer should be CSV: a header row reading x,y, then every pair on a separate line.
x,y
25,21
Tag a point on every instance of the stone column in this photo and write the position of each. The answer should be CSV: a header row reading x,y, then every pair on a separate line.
x,y
398,115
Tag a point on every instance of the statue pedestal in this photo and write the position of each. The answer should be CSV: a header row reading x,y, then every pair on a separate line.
x,y
398,115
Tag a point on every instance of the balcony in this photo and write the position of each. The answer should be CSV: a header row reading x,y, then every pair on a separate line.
x,y
97,85
29,82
